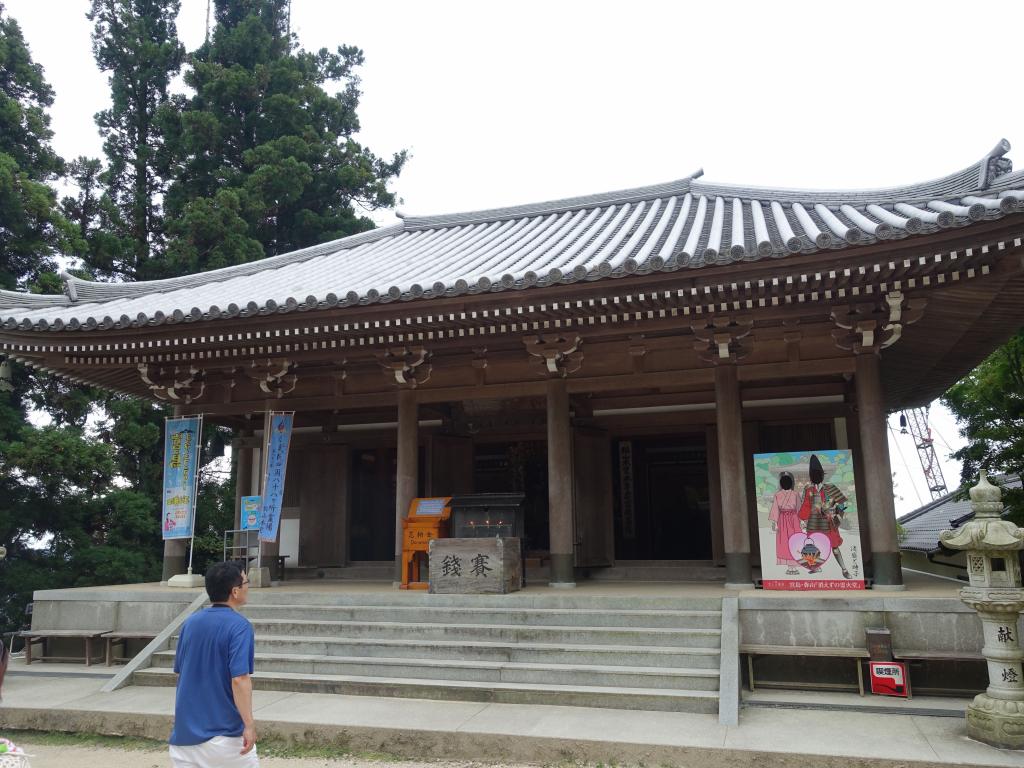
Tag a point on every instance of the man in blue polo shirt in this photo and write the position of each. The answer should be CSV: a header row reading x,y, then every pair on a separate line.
x,y
213,722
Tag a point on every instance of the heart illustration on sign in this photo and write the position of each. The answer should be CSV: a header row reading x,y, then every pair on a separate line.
x,y
810,550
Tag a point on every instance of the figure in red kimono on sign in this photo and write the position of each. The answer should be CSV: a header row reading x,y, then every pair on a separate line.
x,y
823,508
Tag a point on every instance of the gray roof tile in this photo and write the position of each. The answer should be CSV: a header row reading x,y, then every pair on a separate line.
x,y
682,224
921,528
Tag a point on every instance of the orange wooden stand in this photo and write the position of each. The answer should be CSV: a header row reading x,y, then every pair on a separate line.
x,y
427,519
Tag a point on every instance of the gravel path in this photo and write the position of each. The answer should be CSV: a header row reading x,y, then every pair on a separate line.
x,y
101,757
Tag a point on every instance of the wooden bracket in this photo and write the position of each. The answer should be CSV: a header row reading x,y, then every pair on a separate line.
x,y
408,366
183,384
871,327
480,364
275,376
637,352
561,355
719,338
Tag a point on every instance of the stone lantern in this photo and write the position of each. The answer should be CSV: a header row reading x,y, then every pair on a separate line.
x,y
992,546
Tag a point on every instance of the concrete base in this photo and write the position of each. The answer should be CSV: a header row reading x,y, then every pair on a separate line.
x,y
746,585
886,569
563,569
997,722
562,584
186,580
737,569
259,577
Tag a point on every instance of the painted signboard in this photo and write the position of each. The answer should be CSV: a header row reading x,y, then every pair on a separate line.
x,y
808,520
250,513
275,466
181,465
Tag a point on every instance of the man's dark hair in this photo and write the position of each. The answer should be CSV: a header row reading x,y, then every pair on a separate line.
x,y
786,481
221,578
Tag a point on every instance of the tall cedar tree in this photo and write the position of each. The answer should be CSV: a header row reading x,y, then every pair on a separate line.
x,y
136,41
31,227
989,407
262,157
62,518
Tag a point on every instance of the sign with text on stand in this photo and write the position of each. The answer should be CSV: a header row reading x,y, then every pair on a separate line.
x,y
249,515
889,678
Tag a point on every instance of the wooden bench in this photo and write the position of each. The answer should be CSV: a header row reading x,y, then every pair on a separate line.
x,y
805,650
121,638
45,635
938,655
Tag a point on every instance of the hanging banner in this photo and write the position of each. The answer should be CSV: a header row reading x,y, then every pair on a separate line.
x,y
275,465
808,521
181,469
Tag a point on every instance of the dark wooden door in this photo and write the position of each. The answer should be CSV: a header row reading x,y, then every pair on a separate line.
x,y
592,498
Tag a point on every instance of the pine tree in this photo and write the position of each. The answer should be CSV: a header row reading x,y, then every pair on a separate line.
x,y
262,158
136,41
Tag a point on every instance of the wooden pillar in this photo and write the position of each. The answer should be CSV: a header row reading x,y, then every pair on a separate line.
x,y
407,479
560,484
241,457
733,476
881,510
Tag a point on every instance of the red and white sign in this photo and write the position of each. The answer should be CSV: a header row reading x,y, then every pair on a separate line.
x,y
889,678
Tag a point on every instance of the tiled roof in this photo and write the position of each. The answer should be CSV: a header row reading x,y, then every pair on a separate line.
x,y
921,527
684,224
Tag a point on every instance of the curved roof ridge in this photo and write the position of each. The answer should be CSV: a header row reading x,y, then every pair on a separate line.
x,y
976,177
634,195
25,299
84,291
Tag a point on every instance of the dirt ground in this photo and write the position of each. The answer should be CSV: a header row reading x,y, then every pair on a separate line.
x,y
102,757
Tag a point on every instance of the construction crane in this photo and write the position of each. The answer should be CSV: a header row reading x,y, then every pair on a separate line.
x,y
916,421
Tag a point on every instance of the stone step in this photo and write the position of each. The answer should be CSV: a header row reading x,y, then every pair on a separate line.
x,y
647,572
362,571
675,637
639,656
671,678
491,615
500,692
532,598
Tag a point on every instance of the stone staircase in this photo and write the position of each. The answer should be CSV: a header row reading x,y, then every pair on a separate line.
x,y
659,570
357,570
648,653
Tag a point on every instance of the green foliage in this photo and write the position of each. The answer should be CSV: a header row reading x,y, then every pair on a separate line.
x,y
257,159
989,407
136,41
31,227
262,158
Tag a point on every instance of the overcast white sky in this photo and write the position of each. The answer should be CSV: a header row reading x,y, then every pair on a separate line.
x,y
510,102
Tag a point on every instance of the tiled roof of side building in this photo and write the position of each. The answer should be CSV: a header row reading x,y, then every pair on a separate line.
x,y
921,528
684,224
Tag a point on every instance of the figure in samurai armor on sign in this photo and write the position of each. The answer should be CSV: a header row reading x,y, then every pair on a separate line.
x,y
823,508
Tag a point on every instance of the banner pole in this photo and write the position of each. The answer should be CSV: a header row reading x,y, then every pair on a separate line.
x,y
195,491
268,418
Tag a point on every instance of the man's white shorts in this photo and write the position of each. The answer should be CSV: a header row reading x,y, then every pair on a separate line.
x,y
218,752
